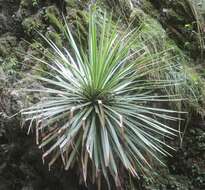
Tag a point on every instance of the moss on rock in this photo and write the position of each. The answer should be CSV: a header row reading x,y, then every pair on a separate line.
x,y
148,8
26,3
7,43
55,37
32,24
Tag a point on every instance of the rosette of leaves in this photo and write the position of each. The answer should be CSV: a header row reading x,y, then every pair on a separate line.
x,y
99,108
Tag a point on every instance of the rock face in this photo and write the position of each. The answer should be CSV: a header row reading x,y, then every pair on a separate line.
x,y
21,167
9,18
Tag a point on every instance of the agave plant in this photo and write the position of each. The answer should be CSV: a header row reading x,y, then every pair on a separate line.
x,y
99,107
